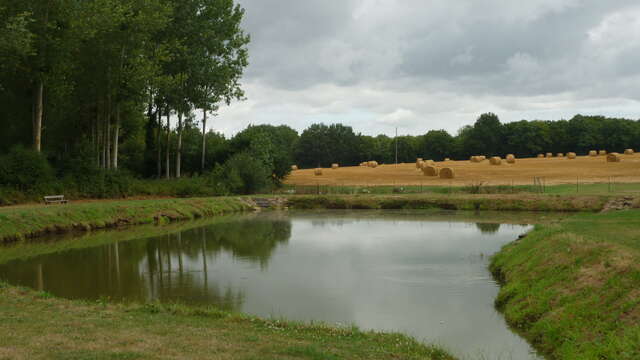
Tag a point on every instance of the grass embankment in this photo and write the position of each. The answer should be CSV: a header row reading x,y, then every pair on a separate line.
x,y
503,202
573,288
23,250
36,326
604,188
25,221
30,221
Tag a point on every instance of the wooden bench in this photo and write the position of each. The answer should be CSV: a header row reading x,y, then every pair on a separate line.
x,y
55,199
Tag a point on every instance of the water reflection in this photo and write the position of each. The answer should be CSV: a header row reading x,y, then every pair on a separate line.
x,y
167,268
488,228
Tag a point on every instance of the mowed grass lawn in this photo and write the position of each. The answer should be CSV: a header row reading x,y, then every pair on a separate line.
x,y
573,288
35,325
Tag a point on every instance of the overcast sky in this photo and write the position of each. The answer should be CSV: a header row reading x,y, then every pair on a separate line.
x,y
435,64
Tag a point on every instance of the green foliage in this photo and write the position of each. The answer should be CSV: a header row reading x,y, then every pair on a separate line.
x,y
487,136
437,145
25,170
244,174
102,63
16,41
274,146
322,145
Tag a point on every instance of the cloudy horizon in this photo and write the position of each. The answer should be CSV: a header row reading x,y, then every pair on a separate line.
x,y
420,65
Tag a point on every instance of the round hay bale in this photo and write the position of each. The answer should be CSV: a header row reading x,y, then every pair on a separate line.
x,y
549,155
294,167
540,156
511,159
474,159
629,152
495,160
429,170
419,164
593,153
614,157
334,166
427,163
571,155
447,159
559,155
602,152
482,158
447,173
373,164
419,159
317,172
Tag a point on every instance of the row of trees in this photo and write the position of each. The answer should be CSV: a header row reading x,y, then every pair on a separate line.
x,y
321,145
116,80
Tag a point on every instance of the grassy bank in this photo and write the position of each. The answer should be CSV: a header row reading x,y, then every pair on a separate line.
x,y
38,326
502,202
572,288
29,221
25,221
578,188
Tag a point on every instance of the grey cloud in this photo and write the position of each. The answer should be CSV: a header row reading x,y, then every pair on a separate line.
x,y
438,63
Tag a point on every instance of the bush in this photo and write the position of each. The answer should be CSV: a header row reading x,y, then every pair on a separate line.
x,y
25,170
241,174
190,187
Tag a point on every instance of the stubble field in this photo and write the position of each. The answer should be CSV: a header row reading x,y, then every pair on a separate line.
x,y
552,171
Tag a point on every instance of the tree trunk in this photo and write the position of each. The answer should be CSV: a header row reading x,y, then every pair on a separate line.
x,y
103,130
96,145
116,140
107,139
38,110
204,139
179,146
167,164
98,149
159,143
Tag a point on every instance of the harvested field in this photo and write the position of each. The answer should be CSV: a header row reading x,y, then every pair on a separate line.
x,y
554,170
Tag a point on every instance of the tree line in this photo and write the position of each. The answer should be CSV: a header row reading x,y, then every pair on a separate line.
x,y
105,78
321,145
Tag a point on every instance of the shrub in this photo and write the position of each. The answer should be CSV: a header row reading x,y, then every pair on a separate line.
x,y
25,170
190,187
241,174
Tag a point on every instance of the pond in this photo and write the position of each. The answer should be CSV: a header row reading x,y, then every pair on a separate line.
x,y
423,274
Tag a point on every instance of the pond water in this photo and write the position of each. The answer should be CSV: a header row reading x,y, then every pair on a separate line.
x,y
415,273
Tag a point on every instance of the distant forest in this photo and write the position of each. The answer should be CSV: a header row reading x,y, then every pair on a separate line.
x,y
322,145
87,89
